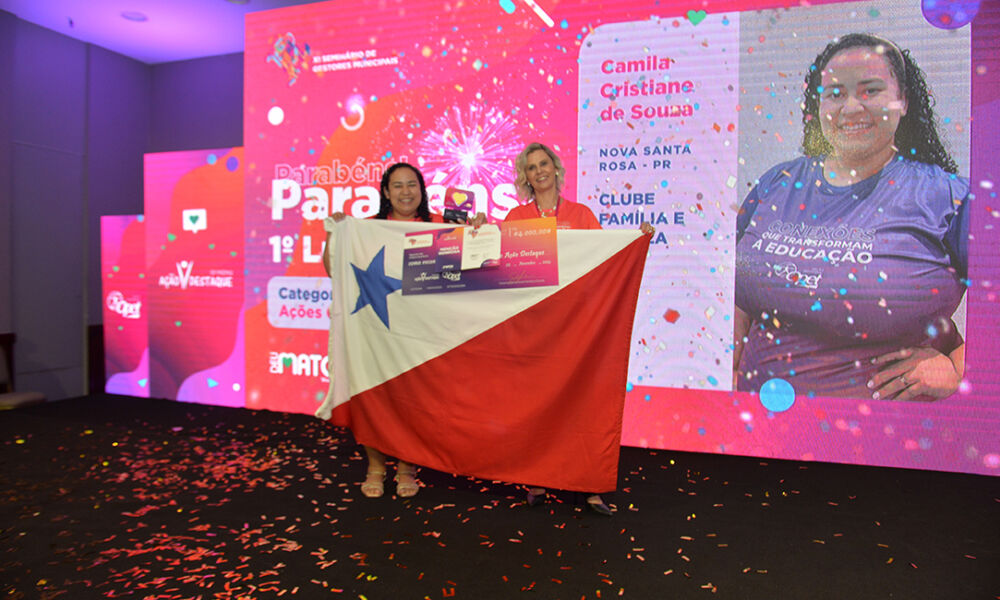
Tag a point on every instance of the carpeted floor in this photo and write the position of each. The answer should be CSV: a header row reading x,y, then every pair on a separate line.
x,y
109,496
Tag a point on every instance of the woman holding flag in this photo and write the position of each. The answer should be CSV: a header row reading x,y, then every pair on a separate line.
x,y
540,178
402,197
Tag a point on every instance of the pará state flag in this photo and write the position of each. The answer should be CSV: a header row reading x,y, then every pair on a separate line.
x,y
522,385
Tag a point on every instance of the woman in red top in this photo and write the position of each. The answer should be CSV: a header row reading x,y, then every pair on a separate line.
x,y
540,178
403,197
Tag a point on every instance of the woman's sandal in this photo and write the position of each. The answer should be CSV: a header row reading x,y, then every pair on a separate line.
x,y
406,482
374,484
535,496
596,504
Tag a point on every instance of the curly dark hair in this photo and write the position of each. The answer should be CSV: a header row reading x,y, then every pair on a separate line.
x,y
917,135
385,207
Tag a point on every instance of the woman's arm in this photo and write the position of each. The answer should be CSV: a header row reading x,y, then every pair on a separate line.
x,y
924,372
957,358
741,326
328,251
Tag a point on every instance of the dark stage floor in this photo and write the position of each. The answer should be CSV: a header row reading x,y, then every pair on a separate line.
x,y
109,496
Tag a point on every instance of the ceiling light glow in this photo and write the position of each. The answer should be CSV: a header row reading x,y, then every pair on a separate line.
x,y
134,15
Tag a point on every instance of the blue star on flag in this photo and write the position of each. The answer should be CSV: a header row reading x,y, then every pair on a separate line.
x,y
375,287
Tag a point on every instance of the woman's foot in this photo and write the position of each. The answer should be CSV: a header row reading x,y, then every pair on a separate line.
x,y
374,484
536,495
406,481
596,504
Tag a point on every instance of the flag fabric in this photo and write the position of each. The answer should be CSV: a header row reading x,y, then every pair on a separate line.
x,y
522,385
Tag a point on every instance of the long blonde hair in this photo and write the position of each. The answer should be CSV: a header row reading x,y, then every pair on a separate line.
x,y
524,189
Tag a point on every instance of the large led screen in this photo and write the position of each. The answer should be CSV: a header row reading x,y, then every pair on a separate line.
x,y
123,286
194,275
830,283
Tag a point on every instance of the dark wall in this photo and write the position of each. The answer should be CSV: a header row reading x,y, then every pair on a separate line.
x,y
197,104
48,208
75,120
118,117
7,26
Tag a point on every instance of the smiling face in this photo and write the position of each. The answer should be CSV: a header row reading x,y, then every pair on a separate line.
x,y
860,107
403,191
540,171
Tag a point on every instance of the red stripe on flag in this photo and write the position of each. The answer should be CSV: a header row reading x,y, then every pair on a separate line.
x,y
341,415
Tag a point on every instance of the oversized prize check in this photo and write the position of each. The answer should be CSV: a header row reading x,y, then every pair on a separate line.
x,y
459,259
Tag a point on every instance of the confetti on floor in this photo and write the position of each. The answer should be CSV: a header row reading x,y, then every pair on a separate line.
x,y
110,496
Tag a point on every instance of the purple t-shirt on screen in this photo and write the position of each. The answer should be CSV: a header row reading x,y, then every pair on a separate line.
x,y
835,276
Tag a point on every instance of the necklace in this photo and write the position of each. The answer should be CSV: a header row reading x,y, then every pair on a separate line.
x,y
548,212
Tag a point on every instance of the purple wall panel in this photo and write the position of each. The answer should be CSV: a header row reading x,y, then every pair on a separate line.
x,y
8,23
48,197
118,117
50,75
197,104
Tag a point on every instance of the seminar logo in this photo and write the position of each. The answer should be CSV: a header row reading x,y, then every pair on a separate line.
x,y
289,57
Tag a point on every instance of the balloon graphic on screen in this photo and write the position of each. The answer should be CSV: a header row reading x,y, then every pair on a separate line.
x,y
949,14
777,395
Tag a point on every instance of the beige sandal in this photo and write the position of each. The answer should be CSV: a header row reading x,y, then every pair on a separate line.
x,y
406,482
374,484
